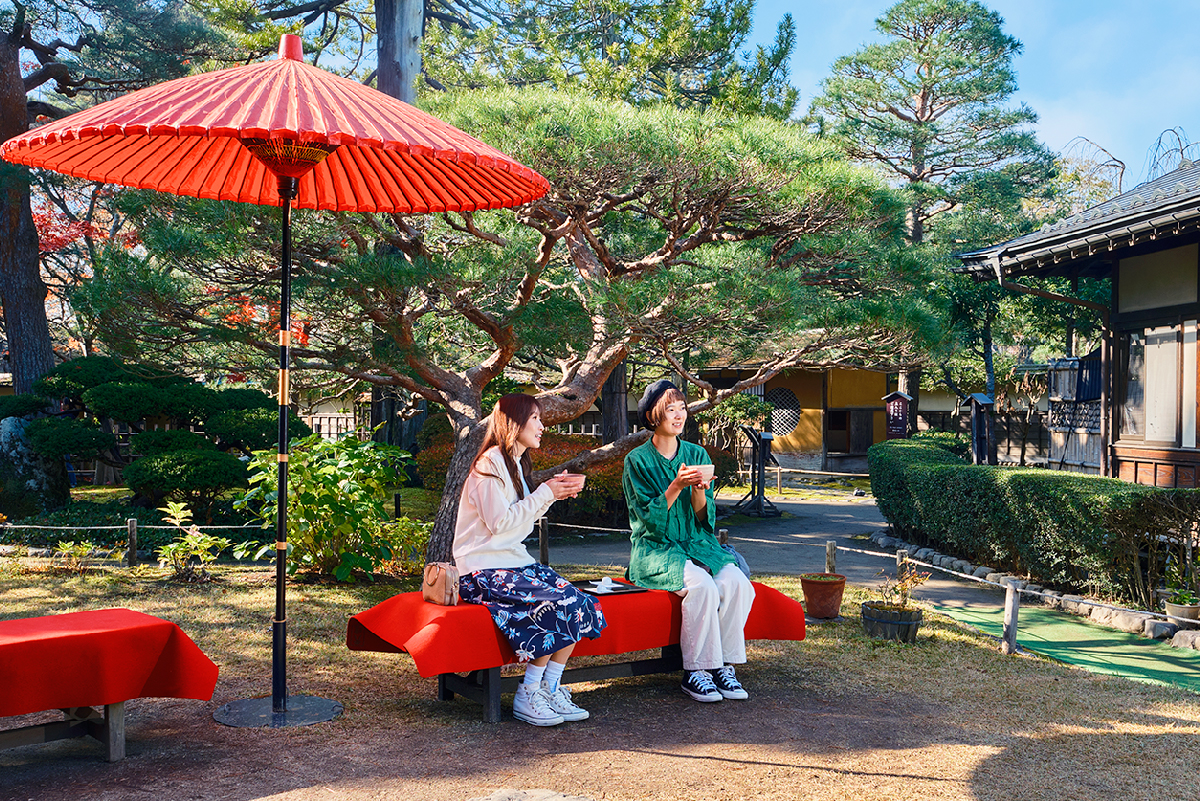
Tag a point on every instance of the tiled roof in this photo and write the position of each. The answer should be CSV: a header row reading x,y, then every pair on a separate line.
x,y
1168,204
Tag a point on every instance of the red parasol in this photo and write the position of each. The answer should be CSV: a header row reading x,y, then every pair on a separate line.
x,y
280,132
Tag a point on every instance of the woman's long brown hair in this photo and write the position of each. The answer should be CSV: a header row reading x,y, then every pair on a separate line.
x,y
508,417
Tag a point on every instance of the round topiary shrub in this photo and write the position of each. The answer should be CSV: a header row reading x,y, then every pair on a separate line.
x,y
250,430
195,477
56,438
152,443
22,405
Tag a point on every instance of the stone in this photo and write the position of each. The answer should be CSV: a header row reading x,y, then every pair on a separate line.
x,y
1160,629
961,565
1098,614
1032,588
995,578
1132,622
1186,639
859,493
1074,605
982,572
923,554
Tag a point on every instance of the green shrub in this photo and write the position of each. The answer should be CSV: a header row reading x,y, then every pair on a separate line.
x,y
22,405
249,430
725,467
336,489
246,398
71,379
152,443
957,444
191,403
194,477
190,555
436,430
1064,529
56,438
407,540
127,403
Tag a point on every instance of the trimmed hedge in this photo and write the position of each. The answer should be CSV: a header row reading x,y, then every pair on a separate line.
x,y
1064,529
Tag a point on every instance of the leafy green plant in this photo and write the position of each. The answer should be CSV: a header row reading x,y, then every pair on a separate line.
x,y
75,556
1182,577
336,489
190,555
720,423
725,467
407,540
72,378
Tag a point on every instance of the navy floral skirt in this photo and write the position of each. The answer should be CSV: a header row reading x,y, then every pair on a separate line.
x,y
537,610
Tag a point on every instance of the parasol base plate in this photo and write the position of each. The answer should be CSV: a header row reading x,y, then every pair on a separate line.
x,y
302,710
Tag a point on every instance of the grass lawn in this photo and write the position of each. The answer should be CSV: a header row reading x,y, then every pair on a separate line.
x,y
836,716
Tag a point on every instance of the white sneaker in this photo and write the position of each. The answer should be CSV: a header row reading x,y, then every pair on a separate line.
x,y
560,702
534,707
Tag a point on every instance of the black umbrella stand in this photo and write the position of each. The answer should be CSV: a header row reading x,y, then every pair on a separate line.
x,y
281,710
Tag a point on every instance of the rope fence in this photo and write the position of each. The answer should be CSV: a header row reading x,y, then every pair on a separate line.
x,y
131,526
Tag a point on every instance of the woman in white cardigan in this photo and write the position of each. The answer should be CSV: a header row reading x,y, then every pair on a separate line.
x,y
540,613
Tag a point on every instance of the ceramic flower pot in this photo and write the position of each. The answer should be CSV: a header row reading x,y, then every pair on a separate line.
x,y
1189,611
823,594
891,622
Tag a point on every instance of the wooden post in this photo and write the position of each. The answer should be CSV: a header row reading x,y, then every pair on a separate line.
x,y
544,541
831,556
779,481
131,554
114,731
396,504
723,536
1012,606
901,558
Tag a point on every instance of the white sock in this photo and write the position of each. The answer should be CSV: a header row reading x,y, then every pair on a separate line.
x,y
554,672
533,676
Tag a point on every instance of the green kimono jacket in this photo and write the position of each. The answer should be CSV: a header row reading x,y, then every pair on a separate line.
x,y
664,539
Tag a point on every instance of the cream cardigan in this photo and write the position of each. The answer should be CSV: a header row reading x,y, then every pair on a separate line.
x,y
492,521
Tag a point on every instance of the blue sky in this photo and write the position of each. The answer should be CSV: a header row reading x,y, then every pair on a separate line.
x,y
1116,71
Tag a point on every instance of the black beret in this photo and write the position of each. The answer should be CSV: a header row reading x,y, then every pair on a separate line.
x,y
649,398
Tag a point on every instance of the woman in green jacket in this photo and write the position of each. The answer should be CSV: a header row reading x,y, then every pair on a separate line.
x,y
674,546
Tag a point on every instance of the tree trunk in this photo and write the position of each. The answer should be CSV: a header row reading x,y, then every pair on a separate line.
x,y
614,405
22,293
29,483
468,437
910,384
400,25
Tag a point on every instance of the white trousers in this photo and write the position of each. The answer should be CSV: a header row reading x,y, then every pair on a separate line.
x,y
715,609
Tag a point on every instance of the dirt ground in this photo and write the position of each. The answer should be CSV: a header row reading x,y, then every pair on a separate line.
x,y
837,716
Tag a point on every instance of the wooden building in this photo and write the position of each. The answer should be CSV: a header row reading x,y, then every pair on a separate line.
x,y
1147,241
823,419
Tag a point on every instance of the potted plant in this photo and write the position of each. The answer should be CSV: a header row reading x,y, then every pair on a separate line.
x,y
823,594
1183,600
892,616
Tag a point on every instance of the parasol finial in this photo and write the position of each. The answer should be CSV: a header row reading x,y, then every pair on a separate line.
x,y
291,47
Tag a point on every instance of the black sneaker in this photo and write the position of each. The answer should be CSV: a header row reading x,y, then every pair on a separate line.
x,y
699,685
727,684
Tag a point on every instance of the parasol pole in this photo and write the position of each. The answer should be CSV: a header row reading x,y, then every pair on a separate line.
x,y
287,191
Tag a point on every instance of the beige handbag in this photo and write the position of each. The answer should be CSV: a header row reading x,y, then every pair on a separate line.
x,y
441,584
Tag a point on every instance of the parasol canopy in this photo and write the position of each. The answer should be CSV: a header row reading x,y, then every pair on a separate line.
x,y
193,136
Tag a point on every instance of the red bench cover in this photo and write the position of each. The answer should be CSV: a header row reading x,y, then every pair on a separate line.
x,y
458,639
99,657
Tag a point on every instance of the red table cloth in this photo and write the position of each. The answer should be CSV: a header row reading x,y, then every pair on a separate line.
x,y
99,657
458,639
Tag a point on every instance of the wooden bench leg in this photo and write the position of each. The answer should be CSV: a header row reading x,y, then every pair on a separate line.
x,y
481,686
81,721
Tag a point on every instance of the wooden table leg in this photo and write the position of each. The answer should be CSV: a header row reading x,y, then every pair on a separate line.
x,y
114,731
